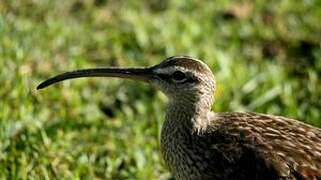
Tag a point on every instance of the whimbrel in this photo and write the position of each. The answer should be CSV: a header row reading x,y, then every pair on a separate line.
x,y
197,143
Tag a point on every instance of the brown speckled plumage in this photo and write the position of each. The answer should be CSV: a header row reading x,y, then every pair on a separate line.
x,y
197,143
243,146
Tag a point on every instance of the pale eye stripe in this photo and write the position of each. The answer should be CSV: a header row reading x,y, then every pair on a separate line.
x,y
167,70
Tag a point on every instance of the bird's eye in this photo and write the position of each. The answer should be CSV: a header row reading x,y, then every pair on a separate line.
x,y
179,76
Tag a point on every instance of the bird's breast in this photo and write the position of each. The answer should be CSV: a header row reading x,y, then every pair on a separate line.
x,y
180,153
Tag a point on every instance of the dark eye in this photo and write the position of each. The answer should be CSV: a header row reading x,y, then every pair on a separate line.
x,y
179,76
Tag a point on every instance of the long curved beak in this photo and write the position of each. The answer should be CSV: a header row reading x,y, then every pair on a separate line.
x,y
143,74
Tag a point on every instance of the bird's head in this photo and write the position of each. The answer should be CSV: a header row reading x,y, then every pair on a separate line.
x,y
184,78
181,78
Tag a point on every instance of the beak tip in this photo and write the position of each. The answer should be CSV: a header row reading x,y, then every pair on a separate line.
x,y
40,86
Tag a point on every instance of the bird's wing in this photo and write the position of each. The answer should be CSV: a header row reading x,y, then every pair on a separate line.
x,y
288,147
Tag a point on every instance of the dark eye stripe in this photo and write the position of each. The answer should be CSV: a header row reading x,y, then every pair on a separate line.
x,y
168,78
191,80
164,77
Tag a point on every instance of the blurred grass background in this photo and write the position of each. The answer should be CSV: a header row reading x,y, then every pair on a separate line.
x,y
265,54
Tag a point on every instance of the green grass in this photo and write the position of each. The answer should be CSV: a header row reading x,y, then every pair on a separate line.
x,y
266,56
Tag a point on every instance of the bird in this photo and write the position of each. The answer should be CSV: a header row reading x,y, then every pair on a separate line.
x,y
198,143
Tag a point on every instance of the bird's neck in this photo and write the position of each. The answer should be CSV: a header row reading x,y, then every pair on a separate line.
x,y
193,117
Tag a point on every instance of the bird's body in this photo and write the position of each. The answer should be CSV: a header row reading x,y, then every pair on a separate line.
x,y
197,143
243,146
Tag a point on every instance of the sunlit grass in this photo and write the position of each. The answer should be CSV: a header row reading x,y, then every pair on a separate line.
x,y
265,55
